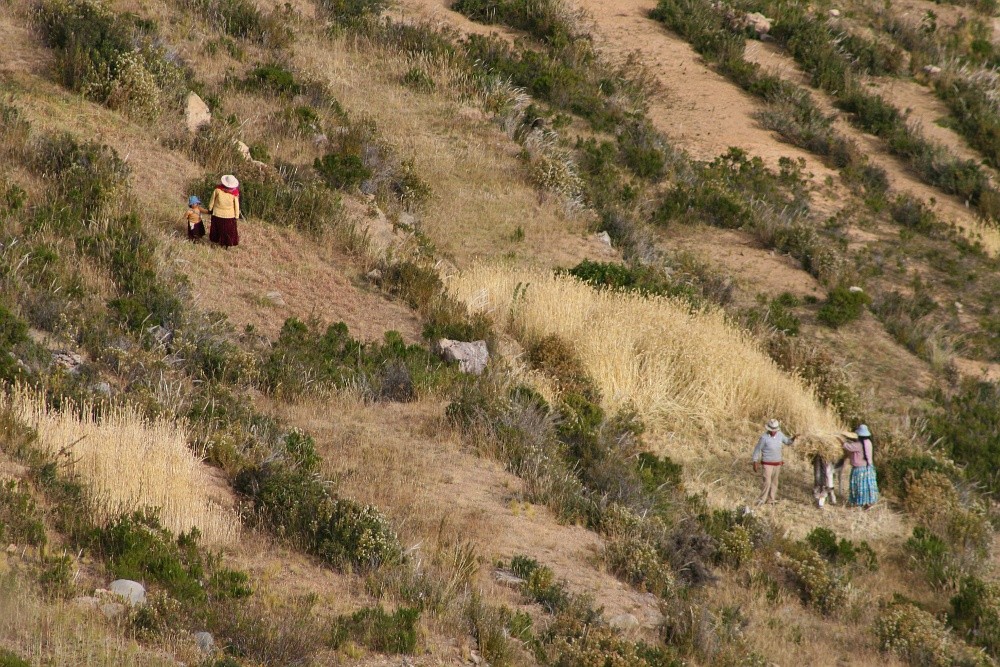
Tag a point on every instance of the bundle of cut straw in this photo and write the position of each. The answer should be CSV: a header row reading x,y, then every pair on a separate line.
x,y
828,445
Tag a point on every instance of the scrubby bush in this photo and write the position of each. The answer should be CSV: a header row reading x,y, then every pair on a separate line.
x,y
374,628
271,78
633,550
842,306
968,424
20,518
776,314
342,171
289,497
917,637
303,358
105,57
13,332
243,20
843,552
137,547
975,613
737,535
350,11
820,583
10,659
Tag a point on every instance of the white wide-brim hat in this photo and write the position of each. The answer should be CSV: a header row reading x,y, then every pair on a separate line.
x,y
772,425
229,181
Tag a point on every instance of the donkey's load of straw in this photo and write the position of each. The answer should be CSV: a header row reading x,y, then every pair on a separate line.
x,y
830,446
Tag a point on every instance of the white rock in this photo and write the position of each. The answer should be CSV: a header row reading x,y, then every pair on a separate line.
x,y
131,591
196,113
471,357
760,23
603,238
375,275
103,388
834,13
407,219
855,289
243,149
932,69
205,641
275,298
624,622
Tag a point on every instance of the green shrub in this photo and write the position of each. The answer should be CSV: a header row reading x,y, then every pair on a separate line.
x,y
289,497
820,583
56,576
242,19
20,518
100,55
10,659
540,584
842,306
418,79
975,613
271,78
13,332
416,284
736,533
342,171
968,425
137,547
548,20
843,552
304,358
372,627
657,473
775,314
934,556
919,638
633,550
353,10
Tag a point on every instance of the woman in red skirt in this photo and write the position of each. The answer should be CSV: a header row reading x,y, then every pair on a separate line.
x,y
225,208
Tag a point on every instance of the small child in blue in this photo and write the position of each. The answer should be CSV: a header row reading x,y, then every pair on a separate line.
x,y
195,227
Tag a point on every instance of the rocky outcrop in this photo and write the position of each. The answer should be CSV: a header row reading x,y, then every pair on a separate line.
x,y
196,113
471,357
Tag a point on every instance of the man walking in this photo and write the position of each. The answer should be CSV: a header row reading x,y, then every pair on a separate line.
x,y
767,455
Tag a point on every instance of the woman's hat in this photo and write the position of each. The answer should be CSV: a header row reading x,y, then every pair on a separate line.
x,y
229,181
849,435
192,200
772,425
863,431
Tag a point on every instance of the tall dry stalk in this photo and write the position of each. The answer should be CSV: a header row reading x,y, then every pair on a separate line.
x,y
128,463
681,370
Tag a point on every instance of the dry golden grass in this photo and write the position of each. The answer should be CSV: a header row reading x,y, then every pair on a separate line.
x,y
481,190
60,633
127,463
681,370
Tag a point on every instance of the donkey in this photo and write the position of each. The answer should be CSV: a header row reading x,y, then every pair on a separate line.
x,y
824,473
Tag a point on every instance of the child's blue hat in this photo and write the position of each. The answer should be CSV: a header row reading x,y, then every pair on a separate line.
x,y
863,431
192,200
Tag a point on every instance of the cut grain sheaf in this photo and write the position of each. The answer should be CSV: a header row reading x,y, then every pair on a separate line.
x,y
128,463
682,370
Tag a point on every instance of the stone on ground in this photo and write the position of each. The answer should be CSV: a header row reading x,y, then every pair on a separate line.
x,y
196,113
471,357
131,591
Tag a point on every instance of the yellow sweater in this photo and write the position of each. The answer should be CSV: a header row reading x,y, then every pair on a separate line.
x,y
224,205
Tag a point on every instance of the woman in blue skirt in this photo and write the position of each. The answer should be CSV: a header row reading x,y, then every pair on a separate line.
x,y
864,484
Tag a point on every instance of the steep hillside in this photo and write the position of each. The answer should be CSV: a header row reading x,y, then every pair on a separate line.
x,y
665,225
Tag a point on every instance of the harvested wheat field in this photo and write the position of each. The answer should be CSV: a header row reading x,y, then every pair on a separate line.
x,y
680,369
